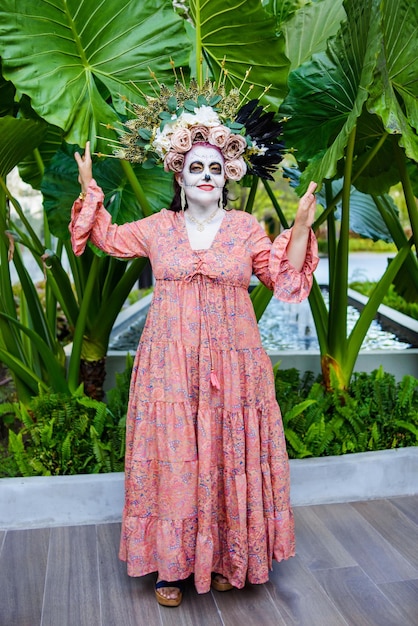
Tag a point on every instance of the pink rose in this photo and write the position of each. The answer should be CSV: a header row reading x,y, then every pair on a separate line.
x,y
219,135
181,140
199,133
173,161
235,169
235,146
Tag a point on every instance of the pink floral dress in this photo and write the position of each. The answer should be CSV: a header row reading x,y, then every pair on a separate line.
x,y
206,474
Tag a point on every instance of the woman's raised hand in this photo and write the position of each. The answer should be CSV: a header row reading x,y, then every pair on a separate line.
x,y
305,214
85,169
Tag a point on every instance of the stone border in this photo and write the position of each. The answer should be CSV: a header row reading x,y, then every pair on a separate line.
x,y
98,498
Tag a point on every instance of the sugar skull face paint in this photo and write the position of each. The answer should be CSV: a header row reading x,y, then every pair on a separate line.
x,y
203,176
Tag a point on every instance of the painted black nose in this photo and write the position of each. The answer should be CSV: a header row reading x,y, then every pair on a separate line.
x,y
207,177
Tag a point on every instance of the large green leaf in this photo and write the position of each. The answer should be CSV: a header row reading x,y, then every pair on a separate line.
x,y
327,94
74,57
375,173
394,93
32,167
240,32
54,370
60,188
17,138
309,29
365,219
7,92
283,9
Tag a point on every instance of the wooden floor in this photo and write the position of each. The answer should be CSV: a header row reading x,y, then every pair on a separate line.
x,y
356,564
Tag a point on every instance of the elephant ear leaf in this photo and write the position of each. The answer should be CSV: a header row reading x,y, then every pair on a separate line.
x,y
60,188
394,93
18,137
308,30
102,53
7,93
236,34
365,219
328,93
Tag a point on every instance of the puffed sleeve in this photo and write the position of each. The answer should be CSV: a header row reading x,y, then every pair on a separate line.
x,y
289,284
90,220
272,266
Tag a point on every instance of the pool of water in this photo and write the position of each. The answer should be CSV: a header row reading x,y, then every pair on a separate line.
x,y
283,327
290,327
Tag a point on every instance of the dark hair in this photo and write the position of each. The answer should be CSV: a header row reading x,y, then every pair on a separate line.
x,y
176,202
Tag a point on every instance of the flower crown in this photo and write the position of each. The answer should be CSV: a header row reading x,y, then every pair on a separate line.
x,y
165,129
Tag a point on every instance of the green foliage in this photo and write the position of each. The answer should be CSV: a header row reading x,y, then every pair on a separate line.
x,y
391,299
375,413
351,110
118,397
63,434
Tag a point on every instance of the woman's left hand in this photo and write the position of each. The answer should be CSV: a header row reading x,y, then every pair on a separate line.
x,y
305,214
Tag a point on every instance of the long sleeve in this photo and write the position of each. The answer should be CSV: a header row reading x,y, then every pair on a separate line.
x,y
90,220
272,266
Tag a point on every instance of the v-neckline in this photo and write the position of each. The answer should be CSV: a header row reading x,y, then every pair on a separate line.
x,y
184,227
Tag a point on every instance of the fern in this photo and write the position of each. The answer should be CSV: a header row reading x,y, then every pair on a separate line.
x,y
375,413
17,450
407,392
409,427
297,448
56,437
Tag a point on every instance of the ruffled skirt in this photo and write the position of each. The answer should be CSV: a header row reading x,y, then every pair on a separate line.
x,y
207,475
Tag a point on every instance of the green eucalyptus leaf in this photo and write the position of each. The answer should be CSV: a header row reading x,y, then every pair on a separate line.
x,y
190,105
76,60
235,127
172,104
214,101
201,101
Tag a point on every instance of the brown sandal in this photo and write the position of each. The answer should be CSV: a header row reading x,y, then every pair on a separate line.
x,y
178,584
218,586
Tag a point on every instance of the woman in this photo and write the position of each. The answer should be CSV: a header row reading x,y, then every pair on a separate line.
x,y
206,473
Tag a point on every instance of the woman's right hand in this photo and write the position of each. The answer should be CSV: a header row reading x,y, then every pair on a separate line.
x,y
85,169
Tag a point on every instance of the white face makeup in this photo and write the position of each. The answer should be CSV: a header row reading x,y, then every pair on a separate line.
x,y
203,176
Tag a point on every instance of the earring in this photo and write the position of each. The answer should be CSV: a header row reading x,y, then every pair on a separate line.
x,y
182,199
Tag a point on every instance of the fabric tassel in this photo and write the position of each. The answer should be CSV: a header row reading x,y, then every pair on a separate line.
x,y
214,380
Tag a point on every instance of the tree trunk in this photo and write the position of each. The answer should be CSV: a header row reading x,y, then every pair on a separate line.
x,y
92,375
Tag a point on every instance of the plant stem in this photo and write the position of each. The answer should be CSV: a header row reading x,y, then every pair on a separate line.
x,y
251,196
407,189
136,186
338,301
277,208
74,366
199,65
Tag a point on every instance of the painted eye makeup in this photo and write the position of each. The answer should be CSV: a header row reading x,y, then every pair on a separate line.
x,y
197,167
215,168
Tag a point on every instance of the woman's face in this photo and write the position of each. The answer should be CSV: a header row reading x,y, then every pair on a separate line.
x,y
203,176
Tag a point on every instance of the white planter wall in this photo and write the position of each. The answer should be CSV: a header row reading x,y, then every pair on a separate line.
x,y
91,499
